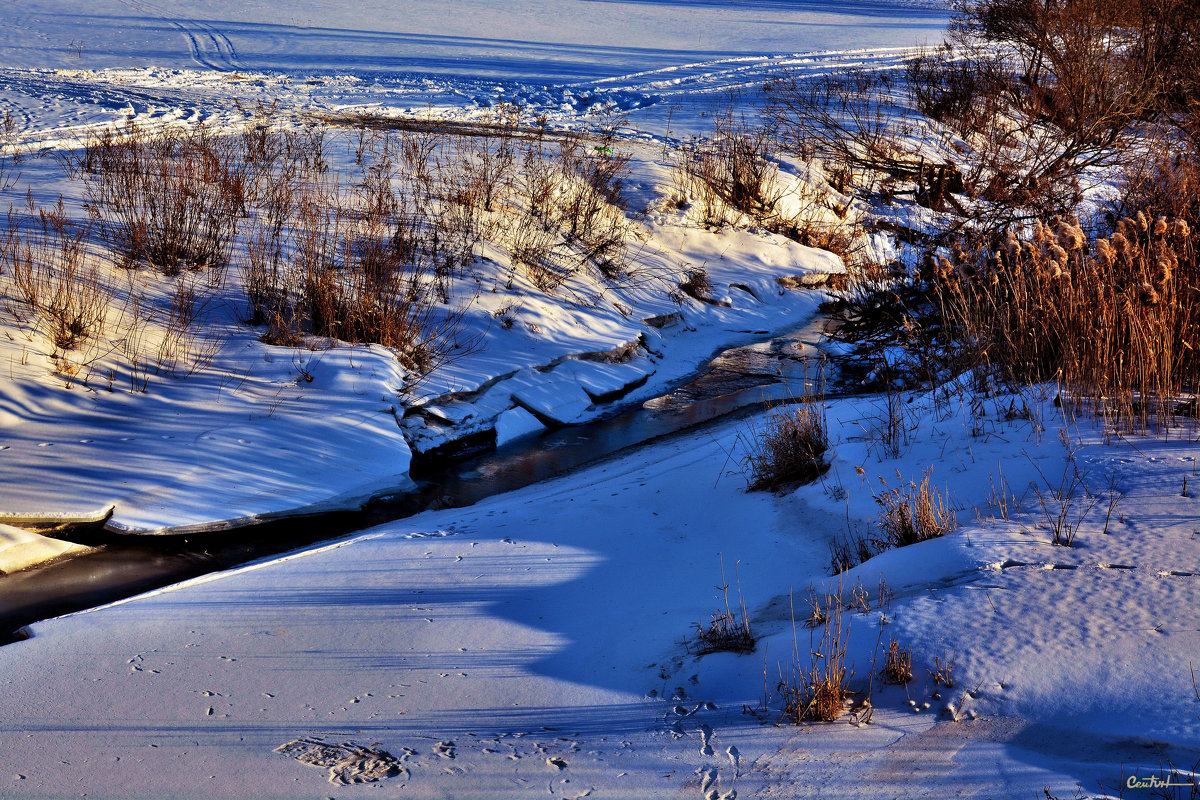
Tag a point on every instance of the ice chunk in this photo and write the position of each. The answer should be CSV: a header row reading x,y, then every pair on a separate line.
x,y
556,399
515,423
601,380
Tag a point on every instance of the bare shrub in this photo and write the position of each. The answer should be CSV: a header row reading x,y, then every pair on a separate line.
x,y
55,278
913,514
570,210
10,151
852,119
358,286
732,170
789,449
532,247
954,87
170,199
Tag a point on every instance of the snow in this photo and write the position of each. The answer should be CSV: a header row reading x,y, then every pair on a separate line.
x,y
500,635
514,424
544,641
20,548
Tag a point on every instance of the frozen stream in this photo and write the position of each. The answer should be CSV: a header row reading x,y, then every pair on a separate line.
x,y
736,382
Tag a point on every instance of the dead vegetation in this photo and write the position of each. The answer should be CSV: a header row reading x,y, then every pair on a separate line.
x,y
897,664
815,687
913,514
1003,131
789,448
378,253
726,631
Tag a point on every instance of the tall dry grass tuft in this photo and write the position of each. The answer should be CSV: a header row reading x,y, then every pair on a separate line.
x,y
727,631
170,198
913,514
569,210
55,277
731,174
788,449
897,664
818,693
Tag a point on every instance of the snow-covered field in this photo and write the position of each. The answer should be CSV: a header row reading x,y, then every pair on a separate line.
x,y
542,643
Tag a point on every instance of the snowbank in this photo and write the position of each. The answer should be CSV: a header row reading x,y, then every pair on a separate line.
x,y
21,548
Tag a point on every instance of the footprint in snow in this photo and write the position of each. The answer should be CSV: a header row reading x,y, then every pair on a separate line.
x,y
557,763
706,733
735,758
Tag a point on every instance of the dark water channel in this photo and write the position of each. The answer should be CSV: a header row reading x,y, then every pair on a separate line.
x,y
735,383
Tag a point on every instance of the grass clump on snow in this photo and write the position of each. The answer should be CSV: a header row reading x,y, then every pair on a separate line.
x,y
897,664
818,693
789,449
727,632
913,514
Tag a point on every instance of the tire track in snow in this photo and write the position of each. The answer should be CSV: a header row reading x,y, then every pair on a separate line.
x,y
209,47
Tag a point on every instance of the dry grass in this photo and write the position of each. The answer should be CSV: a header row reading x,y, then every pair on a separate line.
x,y
727,632
170,199
818,693
897,664
789,449
850,550
1116,322
568,211
731,175
913,514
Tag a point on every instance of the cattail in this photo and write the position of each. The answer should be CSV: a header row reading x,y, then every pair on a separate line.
x,y
1059,255
1056,272
1069,237
1013,245
1181,229
1142,223
1147,295
1105,252
1121,244
1160,226
945,267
